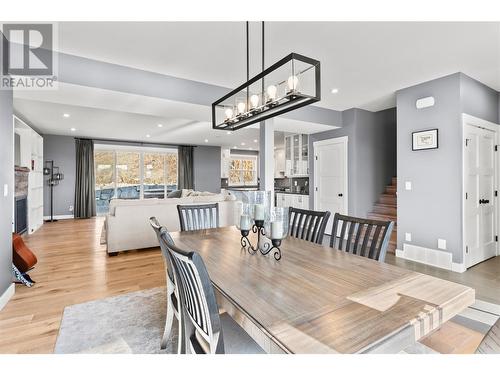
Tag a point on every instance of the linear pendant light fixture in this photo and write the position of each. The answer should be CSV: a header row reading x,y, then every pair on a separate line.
x,y
291,83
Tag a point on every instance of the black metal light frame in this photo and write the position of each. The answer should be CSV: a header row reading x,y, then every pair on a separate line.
x,y
290,102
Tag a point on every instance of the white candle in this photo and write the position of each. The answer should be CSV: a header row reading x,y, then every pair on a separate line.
x,y
245,222
276,230
258,212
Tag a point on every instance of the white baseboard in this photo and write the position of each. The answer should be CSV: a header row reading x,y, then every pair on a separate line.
x,y
7,295
59,217
432,257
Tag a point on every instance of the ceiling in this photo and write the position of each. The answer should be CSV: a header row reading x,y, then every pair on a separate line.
x,y
366,61
105,114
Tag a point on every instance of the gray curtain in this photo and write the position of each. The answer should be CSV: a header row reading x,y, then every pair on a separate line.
x,y
185,160
85,179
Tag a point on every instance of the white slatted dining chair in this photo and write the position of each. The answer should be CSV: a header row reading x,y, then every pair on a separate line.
x,y
172,291
204,330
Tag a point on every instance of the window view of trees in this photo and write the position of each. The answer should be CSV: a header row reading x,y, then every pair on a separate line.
x,y
133,175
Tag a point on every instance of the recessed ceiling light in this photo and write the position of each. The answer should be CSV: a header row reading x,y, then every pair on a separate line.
x,y
251,148
148,136
235,146
160,125
335,91
66,115
206,140
243,143
229,133
73,129
255,140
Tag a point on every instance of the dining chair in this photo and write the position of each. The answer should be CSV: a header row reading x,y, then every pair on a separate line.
x,y
491,342
308,225
204,330
196,217
364,237
172,290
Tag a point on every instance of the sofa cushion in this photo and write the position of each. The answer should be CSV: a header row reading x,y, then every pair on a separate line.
x,y
174,194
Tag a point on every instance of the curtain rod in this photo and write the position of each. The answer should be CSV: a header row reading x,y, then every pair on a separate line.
x,y
133,142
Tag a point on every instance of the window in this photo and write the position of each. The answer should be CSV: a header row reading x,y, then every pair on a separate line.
x,y
133,173
243,170
154,175
104,164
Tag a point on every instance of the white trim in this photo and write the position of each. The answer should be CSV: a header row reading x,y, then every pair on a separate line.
x,y
7,295
330,141
59,217
432,257
479,316
478,122
488,307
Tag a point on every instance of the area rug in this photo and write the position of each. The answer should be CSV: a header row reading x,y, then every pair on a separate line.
x,y
128,323
134,322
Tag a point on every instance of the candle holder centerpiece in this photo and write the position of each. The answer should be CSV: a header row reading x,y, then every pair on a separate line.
x,y
257,216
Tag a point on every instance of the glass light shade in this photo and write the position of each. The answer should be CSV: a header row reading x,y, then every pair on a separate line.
x,y
292,83
228,113
241,107
254,101
271,92
277,224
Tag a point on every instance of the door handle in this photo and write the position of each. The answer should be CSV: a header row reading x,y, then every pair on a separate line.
x,y
484,201
341,195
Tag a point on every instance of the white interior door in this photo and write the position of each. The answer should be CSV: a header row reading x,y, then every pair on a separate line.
x,y
479,205
330,177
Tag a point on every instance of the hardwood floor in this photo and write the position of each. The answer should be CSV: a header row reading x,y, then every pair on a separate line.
x,y
483,277
72,268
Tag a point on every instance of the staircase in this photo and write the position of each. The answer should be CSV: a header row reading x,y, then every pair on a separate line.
x,y
386,209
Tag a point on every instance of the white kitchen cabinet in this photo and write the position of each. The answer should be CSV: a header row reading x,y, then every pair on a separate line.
x,y
292,200
296,155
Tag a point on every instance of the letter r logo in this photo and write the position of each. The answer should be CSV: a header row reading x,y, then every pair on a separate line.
x,y
27,49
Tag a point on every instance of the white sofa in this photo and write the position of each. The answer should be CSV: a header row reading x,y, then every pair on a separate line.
x,y
127,223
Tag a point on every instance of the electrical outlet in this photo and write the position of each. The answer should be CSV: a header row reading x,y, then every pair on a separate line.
x,y
408,237
70,208
5,190
408,185
441,244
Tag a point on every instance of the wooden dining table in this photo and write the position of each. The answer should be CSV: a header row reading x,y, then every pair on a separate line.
x,y
317,299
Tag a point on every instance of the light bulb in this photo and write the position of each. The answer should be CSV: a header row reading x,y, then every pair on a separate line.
x,y
292,83
241,107
271,92
229,113
254,100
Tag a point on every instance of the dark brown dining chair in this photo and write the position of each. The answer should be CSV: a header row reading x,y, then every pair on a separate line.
x,y
172,290
308,225
364,237
204,330
197,217
491,342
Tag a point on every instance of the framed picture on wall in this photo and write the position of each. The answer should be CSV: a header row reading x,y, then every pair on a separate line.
x,y
425,140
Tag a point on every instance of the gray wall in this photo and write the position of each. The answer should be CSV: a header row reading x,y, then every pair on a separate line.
x,y
371,155
61,149
6,178
478,99
206,160
432,209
